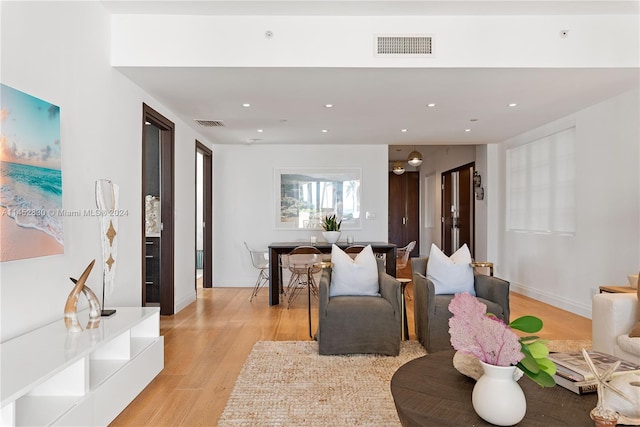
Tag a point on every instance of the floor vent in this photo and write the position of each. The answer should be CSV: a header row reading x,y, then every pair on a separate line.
x,y
404,45
210,123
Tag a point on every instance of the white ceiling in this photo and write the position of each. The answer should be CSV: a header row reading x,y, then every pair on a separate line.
x,y
372,106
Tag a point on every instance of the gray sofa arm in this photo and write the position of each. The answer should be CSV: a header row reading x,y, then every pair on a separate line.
x,y
493,289
391,291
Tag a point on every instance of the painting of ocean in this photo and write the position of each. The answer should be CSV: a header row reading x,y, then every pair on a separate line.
x,y
30,177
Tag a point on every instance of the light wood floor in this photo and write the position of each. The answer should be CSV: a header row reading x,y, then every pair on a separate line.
x,y
207,343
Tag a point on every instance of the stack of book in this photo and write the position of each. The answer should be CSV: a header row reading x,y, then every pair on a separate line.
x,y
573,373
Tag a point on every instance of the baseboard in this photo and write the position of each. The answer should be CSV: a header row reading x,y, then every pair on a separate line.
x,y
552,299
185,302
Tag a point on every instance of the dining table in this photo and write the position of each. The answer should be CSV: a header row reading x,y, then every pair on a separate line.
x,y
281,248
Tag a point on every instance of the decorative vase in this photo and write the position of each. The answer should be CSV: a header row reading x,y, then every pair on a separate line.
x,y
497,397
331,236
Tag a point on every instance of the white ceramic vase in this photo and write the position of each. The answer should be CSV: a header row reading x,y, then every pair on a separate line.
x,y
331,236
497,397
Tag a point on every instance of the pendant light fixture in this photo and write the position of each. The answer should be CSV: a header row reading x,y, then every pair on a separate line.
x,y
415,158
398,168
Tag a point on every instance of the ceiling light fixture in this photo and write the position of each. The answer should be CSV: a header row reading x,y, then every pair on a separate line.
x,y
403,130
328,105
467,130
513,104
246,105
398,168
260,130
324,131
415,158
431,105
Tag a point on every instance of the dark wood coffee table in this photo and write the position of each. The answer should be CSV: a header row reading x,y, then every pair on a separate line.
x,y
429,391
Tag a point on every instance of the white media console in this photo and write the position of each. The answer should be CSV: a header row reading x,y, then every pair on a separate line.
x,y
53,377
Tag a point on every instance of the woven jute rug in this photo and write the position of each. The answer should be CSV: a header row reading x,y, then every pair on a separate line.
x,y
287,383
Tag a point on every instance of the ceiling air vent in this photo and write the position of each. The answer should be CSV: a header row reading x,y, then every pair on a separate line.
x,y
396,45
210,123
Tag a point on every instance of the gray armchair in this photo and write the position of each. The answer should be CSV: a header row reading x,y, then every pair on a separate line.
x,y
360,324
431,311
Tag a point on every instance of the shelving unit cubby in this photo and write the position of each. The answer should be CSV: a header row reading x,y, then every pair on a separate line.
x,y
51,377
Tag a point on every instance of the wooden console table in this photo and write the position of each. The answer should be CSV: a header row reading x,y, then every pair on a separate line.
x,y
279,248
429,391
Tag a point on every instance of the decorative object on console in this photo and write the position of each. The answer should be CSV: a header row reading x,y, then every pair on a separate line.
x,y
107,202
331,227
633,280
500,351
71,306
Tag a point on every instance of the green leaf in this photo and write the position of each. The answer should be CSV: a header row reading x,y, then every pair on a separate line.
x,y
527,324
538,350
529,363
547,365
529,339
543,379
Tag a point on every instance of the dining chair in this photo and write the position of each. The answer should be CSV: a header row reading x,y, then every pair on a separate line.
x,y
260,260
300,263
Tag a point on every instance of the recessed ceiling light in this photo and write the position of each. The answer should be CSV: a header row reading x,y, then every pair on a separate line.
x,y
513,104
328,105
431,105
403,130
260,130
246,105
467,130
324,131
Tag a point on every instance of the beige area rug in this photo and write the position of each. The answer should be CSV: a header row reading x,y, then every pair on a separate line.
x,y
287,383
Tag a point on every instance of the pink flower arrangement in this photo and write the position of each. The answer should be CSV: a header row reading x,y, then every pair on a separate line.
x,y
486,337
483,335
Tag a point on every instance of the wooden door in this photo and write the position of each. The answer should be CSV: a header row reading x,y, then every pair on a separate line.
x,y
458,209
160,131
404,209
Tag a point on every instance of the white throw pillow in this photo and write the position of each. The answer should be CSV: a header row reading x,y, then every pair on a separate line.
x,y
451,275
354,276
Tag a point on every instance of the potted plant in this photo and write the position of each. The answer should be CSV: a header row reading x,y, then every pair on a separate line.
x,y
331,227
496,397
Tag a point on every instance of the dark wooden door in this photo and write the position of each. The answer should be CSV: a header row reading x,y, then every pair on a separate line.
x,y
404,209
159,131
458,209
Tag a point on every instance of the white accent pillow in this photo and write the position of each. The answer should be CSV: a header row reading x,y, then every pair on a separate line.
x,y
451,275
354,276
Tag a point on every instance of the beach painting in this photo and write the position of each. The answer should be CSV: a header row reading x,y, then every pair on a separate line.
x,y
30,177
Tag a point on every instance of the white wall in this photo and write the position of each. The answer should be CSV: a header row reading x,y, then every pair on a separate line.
x,y
566,270
60,52
243,200
439,159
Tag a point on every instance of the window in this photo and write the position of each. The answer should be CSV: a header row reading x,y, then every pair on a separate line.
x,y
541,184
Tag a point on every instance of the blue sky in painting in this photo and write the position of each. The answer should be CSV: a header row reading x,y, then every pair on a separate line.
x,y
30,129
